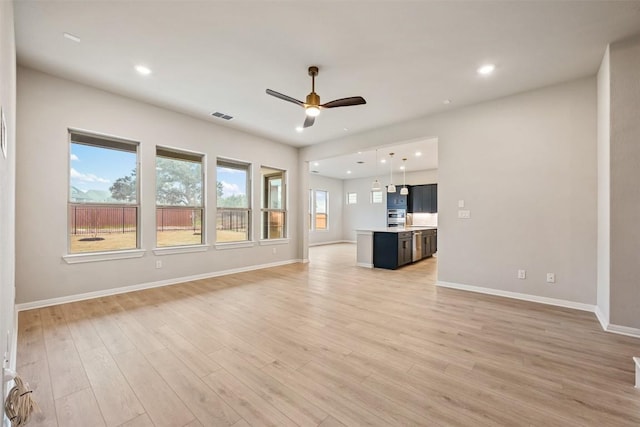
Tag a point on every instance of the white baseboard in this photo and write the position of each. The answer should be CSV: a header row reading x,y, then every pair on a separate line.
x,y
131,288
623,330
604,320
517,295
615,329
333,242
364,264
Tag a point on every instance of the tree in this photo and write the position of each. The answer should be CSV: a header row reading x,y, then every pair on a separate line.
x,y
178,182
219,189
125,188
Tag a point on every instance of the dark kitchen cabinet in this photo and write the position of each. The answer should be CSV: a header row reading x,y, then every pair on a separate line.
x,y
429,242
405,250
396,200
423,199
391,250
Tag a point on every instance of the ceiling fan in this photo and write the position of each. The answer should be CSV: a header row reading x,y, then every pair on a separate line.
x,y
312,105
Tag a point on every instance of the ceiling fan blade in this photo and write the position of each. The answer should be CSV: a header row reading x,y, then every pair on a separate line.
x,y
344,102
309,121
284,97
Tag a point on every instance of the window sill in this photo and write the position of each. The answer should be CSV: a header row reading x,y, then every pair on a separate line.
x,y
180,249
274,242
235,245
103,256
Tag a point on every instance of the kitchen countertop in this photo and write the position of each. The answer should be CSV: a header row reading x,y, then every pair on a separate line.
x,y
398,229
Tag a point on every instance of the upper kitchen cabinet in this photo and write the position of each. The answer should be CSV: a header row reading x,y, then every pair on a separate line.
x,y
423,199
396,200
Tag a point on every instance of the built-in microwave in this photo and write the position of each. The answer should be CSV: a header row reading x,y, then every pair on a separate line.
x,y
396,217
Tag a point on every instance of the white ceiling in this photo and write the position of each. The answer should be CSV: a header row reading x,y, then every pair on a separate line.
x,y
403,57
338,167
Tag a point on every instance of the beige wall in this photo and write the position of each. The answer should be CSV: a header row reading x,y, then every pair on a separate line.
x,y
526,167
47,106
625,176
604,183
336,206
7,188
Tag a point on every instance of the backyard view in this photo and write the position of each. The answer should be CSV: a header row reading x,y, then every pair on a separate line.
x,y
103,197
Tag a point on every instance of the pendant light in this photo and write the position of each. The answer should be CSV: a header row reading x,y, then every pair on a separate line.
x,y
376,184
391,188
404,190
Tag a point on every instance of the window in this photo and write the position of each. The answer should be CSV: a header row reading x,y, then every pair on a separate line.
x,y
233,201
352,198
103,194
274,206
179,201
321,210
376,196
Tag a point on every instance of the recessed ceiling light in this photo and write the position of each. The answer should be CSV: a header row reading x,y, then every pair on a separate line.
x,y
71,37
401,168
299,129
316,164
145,71
486,69
359,152
383,161
446,102
348,172
418,154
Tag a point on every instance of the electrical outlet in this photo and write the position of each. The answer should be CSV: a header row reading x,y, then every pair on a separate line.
x,y
464,214
522,274
275,250
159,263
551,278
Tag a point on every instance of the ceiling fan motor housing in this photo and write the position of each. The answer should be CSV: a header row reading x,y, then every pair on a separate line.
x,y
313,99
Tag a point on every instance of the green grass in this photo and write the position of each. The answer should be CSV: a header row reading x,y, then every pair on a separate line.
x,y
168,238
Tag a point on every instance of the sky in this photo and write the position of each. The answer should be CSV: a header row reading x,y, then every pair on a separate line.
x,y
234,181
94,168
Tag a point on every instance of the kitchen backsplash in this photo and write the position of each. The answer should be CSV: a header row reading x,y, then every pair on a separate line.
x,y
426,219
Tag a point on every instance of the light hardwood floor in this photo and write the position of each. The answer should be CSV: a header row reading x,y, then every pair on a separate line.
x,y
324,344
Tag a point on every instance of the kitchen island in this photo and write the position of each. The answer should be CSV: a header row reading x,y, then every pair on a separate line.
x,y
393,247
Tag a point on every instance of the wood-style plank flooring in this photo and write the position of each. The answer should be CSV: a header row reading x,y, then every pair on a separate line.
x,y
324,344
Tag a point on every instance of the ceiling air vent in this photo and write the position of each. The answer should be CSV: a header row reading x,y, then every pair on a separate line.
x,y
222,116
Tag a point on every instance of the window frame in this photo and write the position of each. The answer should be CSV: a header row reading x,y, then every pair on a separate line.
x,y
107,142
355,201
267,173
184,155
247,167
372,200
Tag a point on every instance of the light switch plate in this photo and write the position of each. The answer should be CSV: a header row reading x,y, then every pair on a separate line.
x,y
461,203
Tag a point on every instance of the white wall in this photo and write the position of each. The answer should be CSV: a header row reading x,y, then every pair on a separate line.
x,y
526,167
47,106
625,175
364,214
336,205
7,189
604,193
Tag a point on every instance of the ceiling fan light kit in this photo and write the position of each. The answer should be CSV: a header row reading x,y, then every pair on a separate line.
x,y
312,105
